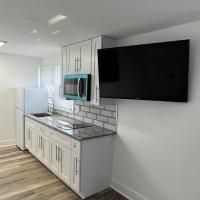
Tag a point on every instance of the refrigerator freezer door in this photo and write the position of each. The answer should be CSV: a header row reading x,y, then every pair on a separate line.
x,y
36,100
19,98
19,128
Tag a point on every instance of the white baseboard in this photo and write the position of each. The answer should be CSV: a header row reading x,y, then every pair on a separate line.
x,y
127,191
7,143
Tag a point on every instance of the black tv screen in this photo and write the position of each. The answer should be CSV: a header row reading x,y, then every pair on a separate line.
x,y
157,71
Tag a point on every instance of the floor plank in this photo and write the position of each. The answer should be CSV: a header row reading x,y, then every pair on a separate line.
x,y
22,177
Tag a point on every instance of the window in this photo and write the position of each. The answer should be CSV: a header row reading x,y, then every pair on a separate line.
x,y
50,78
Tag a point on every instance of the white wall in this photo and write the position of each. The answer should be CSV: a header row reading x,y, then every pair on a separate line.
x,y
51,60
15,71
157,150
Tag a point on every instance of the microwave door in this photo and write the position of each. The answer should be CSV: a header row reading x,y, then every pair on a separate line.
x,y
82,87
70,87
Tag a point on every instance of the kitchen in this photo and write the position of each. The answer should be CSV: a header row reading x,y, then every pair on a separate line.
x,y
98,101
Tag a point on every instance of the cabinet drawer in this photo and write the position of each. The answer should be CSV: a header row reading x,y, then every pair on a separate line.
x,y
29,122
63,139
76,146
42,129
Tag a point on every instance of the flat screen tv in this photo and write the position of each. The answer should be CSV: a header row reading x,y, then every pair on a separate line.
x,y
157,71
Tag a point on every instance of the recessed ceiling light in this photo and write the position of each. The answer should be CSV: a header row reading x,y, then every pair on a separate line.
x,y
55,32
34,31
2,43
38,40
56,19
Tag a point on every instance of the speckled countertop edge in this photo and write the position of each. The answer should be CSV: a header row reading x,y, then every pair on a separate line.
x,y
104,132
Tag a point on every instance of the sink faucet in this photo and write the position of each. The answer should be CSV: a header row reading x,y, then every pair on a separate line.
x,y
53,108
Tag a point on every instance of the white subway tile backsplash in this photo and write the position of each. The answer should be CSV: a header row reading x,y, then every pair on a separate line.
x,y
102,118
85,108
71,115
95,110
112,121
88,120
98,123
78,102
82,113
110,127
76,108
106,113
92,116
99,107
86,103
80,118
111,107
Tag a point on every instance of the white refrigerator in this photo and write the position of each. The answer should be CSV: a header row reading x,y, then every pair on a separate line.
x,y
27,100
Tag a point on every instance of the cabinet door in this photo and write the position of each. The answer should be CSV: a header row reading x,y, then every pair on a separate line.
x,y
27,137
72,55
65,164
33,145
54,164
85,57
75,171
95,96
45,150
32,140
38,153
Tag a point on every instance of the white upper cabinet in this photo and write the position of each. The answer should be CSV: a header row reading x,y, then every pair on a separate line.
x,y
82,58
98,43
85,58
77,58
72,59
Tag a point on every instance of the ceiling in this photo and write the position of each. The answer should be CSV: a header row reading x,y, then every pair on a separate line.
x,y
85,19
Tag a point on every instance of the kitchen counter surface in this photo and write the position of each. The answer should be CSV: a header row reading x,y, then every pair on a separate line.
x,y
88,132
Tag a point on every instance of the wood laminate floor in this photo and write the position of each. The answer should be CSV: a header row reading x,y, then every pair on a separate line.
x,y
22,177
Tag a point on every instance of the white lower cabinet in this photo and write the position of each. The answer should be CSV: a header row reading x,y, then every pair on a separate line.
x,y
45,150
60,160
85,166
42,147
75,180
30,135
65,164
54,164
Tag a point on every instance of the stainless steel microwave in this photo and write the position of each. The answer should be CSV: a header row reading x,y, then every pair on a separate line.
x,y
77,87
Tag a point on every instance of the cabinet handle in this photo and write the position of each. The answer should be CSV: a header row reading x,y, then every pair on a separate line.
x,y
61,158
76,166
29,134
56,153
43,144
30,138
75,64
96,94
80,58
74,169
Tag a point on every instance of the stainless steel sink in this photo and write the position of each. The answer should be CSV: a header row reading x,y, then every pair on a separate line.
x,y
42,114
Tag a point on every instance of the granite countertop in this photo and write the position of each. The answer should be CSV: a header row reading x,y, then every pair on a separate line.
x,y
88,132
